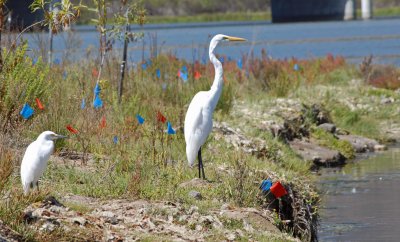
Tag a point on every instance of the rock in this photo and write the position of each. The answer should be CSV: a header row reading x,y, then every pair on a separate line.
x,y
193,209
195,194
48,227
198,227
387,100
183,219
380,147
230,236
225,206
321,156
107,214
79,221
328,127
359,143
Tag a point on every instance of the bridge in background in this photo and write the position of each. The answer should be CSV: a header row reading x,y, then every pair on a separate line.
x,y
318,10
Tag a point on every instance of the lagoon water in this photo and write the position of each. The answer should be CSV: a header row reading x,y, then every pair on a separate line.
x,y
352,39
362,200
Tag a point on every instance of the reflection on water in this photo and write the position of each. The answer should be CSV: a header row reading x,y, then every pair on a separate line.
x,y
362,200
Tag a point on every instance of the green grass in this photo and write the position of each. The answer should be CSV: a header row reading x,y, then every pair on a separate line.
x,y
328,140
212,17
385,12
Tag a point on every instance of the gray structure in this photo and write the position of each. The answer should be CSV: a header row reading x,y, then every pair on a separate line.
x,y
318,10
21,15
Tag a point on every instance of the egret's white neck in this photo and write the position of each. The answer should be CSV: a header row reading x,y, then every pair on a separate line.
x,y
216,87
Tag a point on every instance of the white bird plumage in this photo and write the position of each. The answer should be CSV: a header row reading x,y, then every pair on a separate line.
x,y
198,120
35,159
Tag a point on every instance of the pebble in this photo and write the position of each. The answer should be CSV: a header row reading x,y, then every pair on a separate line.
x,y
195,194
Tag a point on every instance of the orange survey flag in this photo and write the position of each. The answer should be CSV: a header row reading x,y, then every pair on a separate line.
x,y
39,104
103,122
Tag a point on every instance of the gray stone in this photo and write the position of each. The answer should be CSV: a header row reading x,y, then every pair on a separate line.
x,y
79,221
195,194
359,143
328,127
48,227
321,156
387,100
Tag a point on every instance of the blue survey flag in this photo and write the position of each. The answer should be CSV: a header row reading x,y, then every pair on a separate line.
x,y
296,67
97,89
266,185
57,61
158,73
144,66
98,103
184,69
239,64
115,139
170,130
83,103
222,59
26,111
184,76
140,119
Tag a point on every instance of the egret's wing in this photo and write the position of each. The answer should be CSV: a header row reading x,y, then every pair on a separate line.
x,y
194,117
196,130
28,165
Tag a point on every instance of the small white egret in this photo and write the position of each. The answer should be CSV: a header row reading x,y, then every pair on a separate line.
x,y
35,159
198,120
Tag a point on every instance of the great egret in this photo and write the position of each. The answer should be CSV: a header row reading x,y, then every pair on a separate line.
x,y
198,120
35,159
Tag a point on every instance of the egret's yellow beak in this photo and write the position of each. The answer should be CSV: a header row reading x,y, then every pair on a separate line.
x,y
230,38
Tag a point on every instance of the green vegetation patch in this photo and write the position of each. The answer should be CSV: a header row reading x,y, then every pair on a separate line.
x,y
329,140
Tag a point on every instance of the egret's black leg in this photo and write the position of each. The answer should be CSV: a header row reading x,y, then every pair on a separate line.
x,y
37,185
201,164
199,158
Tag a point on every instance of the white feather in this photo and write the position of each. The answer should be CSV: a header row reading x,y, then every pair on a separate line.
x,y
35,160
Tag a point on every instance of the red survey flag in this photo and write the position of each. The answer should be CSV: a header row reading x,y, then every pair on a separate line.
x,y
197,75
161,117
71,129
278,190
103,122
39,104
95,73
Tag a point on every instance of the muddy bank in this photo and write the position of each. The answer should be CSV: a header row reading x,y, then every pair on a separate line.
x,y
132,220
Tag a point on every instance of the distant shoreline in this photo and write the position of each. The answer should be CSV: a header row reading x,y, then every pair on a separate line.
x,y
262,16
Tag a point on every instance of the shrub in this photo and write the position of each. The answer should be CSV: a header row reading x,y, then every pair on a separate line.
x,y
21,81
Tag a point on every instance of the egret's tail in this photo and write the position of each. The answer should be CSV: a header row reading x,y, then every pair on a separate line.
x,y
26,188
191,153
